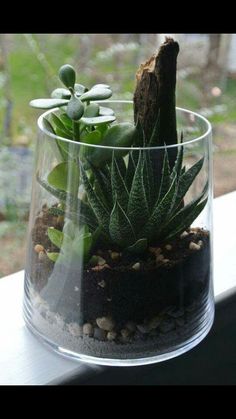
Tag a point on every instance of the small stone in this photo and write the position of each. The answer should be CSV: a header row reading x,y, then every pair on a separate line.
x,y
200,243
136,266
155,250
76,289
115,255
111,335
75,329
59,321
168,247
165,260
194,246
125,333
101,261
99,268
105,323
102,283
88,329
131,326
160,258
143,328
155,322
184,234
42,256
38,248
166,326
99,334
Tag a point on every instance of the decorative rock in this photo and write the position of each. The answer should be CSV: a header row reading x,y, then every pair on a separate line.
x,y
165,260
75,329
155,250
100,267
155,322
131,326
184,234
200,243
168,247
88,329
115,255
101,261
136,266
105,323
102,283
42,256
194,246
76,289
111,335
125,333
99,334
38,248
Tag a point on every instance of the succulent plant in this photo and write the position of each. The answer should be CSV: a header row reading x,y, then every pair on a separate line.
x,y
124,203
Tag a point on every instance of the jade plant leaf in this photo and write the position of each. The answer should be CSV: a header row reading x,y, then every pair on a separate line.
x,y
97,120
67,75
92,110
58,177
104,111
96,93
75,108
61,93
48,103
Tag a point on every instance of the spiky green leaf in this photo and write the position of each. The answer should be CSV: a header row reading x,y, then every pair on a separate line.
x,y
120,227
118,185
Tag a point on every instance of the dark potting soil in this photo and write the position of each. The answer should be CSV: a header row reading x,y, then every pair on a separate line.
x,y
124,288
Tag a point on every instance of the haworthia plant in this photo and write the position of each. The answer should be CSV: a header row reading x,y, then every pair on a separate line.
x,y
121,202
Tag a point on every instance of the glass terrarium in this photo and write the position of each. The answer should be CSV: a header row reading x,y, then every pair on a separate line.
x,y
119,263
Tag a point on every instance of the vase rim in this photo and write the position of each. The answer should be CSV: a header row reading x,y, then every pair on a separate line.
x,y
207,132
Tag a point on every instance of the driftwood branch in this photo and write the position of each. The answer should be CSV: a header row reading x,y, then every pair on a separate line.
x,y
154,97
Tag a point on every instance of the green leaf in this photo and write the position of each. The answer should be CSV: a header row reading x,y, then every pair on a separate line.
x,y
97,120
120,227
53,256
97,205
67,75
81,245
137,206
183,219
102,186
75,108
91,110
148,180
130,170
96,93
104,111
139,247
48,103
119,135
60,125
61,93
165,177
153,225
101,85
186,180
66,121
48,126
93,137
58,177
118,185
57,237
79,89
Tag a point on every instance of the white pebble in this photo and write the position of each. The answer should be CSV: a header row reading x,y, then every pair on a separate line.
x,y
155,322
168,246
105,323
88,329
75,329
111,335
194,246
200,243
102,283
184,234
136,266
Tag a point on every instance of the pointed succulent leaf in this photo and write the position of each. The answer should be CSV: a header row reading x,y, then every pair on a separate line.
x,y
96,93
75,108
159,213
92,110
186,180
67,75
97,205
138,247
178,163
120,227
48,103
137,210
61,93
165,177
148,180
130,170
118,185
183,219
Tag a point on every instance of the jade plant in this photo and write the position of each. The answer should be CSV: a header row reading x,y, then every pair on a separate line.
x,y
125,202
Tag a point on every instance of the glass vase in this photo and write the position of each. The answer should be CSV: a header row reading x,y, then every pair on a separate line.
x,y
91,293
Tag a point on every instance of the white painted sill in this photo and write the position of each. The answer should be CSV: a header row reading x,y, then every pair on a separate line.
x,y
25,361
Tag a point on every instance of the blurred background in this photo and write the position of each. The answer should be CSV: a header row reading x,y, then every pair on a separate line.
x,y
28,69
